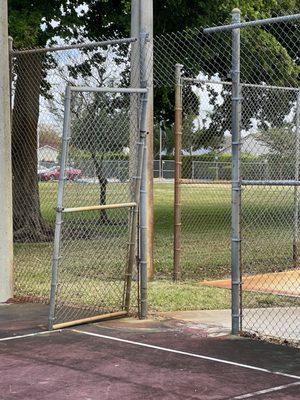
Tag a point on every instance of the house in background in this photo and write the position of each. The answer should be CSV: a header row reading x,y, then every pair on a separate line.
x,y
47,154
250,144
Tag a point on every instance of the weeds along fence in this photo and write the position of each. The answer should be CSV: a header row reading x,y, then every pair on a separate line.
x,y
269,75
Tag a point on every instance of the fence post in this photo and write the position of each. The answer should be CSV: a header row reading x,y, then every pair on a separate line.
x,y
139,180
178,145
59,209
134,82
296,191
6,226
236,178
160,150
146,26
143,225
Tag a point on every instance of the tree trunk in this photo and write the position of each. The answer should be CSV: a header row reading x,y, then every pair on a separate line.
x,y
27,219
103,188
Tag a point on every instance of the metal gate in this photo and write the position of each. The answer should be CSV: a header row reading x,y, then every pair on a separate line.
x,y
96,232
265,209
254,123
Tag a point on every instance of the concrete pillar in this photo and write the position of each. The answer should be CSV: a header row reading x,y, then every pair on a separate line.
x,y
6,230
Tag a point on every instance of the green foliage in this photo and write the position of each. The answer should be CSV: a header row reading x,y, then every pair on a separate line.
x,y
82,155
36,22
48,136
167,133
280,140
268,55
101,126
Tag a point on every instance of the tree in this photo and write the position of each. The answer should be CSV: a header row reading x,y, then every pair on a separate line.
x,y
281,144
31,24
36,23
39,22
48,136
280,140
100,130
268,54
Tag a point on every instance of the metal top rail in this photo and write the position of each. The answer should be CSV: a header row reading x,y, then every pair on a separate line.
x,y
259,86
262,162
206,81
270,183
107,89
75,46
257,22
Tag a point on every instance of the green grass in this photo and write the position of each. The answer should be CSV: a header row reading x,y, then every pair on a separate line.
x,y
267,246
190,295
267,221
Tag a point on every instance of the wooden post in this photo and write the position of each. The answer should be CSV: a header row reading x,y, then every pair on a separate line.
x,y
178,145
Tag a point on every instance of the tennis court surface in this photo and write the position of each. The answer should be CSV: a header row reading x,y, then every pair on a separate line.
x,y
131,359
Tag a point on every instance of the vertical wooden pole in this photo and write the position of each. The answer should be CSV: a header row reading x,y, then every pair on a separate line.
x,y
178,163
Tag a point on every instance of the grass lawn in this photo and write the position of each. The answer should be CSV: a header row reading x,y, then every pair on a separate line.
x,y
267,218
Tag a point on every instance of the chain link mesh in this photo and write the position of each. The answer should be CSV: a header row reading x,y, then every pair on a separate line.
x,y
205,203
38,82
269,56
94,254
270,213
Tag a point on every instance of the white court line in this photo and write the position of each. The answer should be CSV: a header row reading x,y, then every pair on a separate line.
x,y
27,335
184,353
264,391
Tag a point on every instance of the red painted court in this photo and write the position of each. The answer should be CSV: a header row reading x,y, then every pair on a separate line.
x,y
131,359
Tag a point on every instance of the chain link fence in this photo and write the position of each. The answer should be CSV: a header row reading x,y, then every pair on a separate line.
x,y
39,77
205,202
93,263
269,63
268,178
270,216
163,169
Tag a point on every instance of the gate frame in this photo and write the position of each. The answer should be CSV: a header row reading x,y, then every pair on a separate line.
x,y
237,182
134,206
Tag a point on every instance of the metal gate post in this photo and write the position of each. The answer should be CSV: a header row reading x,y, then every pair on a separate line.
x,y
143,231
59,209
178,145
236,178
138,175
296,190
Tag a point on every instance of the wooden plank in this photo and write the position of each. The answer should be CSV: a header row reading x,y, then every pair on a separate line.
x,y
96,318
95,208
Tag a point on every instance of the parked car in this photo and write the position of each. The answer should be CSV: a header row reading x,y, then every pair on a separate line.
x,y
41,171
73,174
53,173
